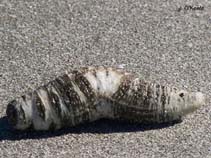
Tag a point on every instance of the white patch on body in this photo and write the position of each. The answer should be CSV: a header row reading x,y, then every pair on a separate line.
x,y
103,84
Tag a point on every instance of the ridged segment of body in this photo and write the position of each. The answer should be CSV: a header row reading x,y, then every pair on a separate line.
x,y
145,102
90,93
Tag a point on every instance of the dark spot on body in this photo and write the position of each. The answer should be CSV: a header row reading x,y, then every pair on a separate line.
x,y
12,113
94,73
52,126
84,86
157,91
39,105
107,73
24,98
22,114
181,94
168,100
55,103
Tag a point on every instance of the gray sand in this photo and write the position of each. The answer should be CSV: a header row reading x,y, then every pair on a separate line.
x,y
41,40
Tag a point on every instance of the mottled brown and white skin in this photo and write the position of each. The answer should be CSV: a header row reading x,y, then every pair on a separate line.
x,y
91,93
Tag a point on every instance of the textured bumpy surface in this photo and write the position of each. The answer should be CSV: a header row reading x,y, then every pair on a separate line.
x,y
91,93
39,40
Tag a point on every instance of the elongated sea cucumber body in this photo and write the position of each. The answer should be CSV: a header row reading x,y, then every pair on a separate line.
x,y
91,93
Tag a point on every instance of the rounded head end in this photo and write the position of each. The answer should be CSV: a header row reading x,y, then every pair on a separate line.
x,y
12,113
16,115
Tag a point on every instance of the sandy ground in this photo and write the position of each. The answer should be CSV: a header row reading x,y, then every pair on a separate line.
x,y
40,40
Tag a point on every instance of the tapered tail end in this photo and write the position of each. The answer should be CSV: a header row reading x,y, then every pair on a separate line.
x,y
185,103
200,99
